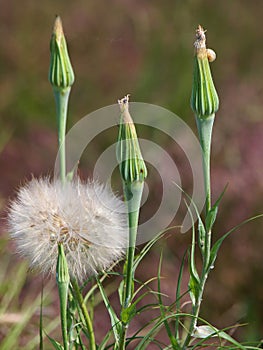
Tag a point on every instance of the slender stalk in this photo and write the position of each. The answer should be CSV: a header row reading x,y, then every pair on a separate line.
x,y
61,98
136,189
205,127
63,285
61,77
85,313
133,195
63,294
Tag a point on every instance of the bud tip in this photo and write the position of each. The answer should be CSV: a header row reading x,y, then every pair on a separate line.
x,y
124,103
58,29
200,38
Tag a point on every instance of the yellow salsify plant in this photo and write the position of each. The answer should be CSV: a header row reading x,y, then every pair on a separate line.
x,y
53,223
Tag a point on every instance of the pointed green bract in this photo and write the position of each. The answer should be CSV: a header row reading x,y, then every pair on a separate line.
x,y
61,74
131,163
204,99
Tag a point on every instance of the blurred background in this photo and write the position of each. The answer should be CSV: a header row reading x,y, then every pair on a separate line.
x,y
144,48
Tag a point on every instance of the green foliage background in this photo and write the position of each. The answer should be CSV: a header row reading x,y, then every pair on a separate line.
x,y
145,48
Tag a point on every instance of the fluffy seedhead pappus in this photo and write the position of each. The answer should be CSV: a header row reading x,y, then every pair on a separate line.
x,y
85,217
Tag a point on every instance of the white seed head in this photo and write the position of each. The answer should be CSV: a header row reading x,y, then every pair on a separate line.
x,y
86,217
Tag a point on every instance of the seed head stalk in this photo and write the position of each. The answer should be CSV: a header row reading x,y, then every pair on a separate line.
x,y
61,98
204,103
61,77
133,172
133,195
63,288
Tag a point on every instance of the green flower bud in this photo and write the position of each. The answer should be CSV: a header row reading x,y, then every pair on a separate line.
x,y
61,74
131,163
204,99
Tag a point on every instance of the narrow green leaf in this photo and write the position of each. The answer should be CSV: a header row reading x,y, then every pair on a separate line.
x,y
212,214
219,242
149,336
115,322
148,246
144,285
194,289
211,218
201,235
105,340
178,295
121,291
161,305
194,280
201,226
56,345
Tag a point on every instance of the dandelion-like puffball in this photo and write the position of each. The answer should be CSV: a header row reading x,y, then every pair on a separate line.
x,y
85,217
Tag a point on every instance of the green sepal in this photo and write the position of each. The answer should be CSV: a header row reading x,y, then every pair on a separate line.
x,y
131,164
61,75
204,98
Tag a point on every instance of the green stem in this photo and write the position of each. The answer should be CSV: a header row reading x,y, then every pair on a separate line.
x,y
205,128
63,285
195,313
62,98
86,316
133,218
133,195
63,295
